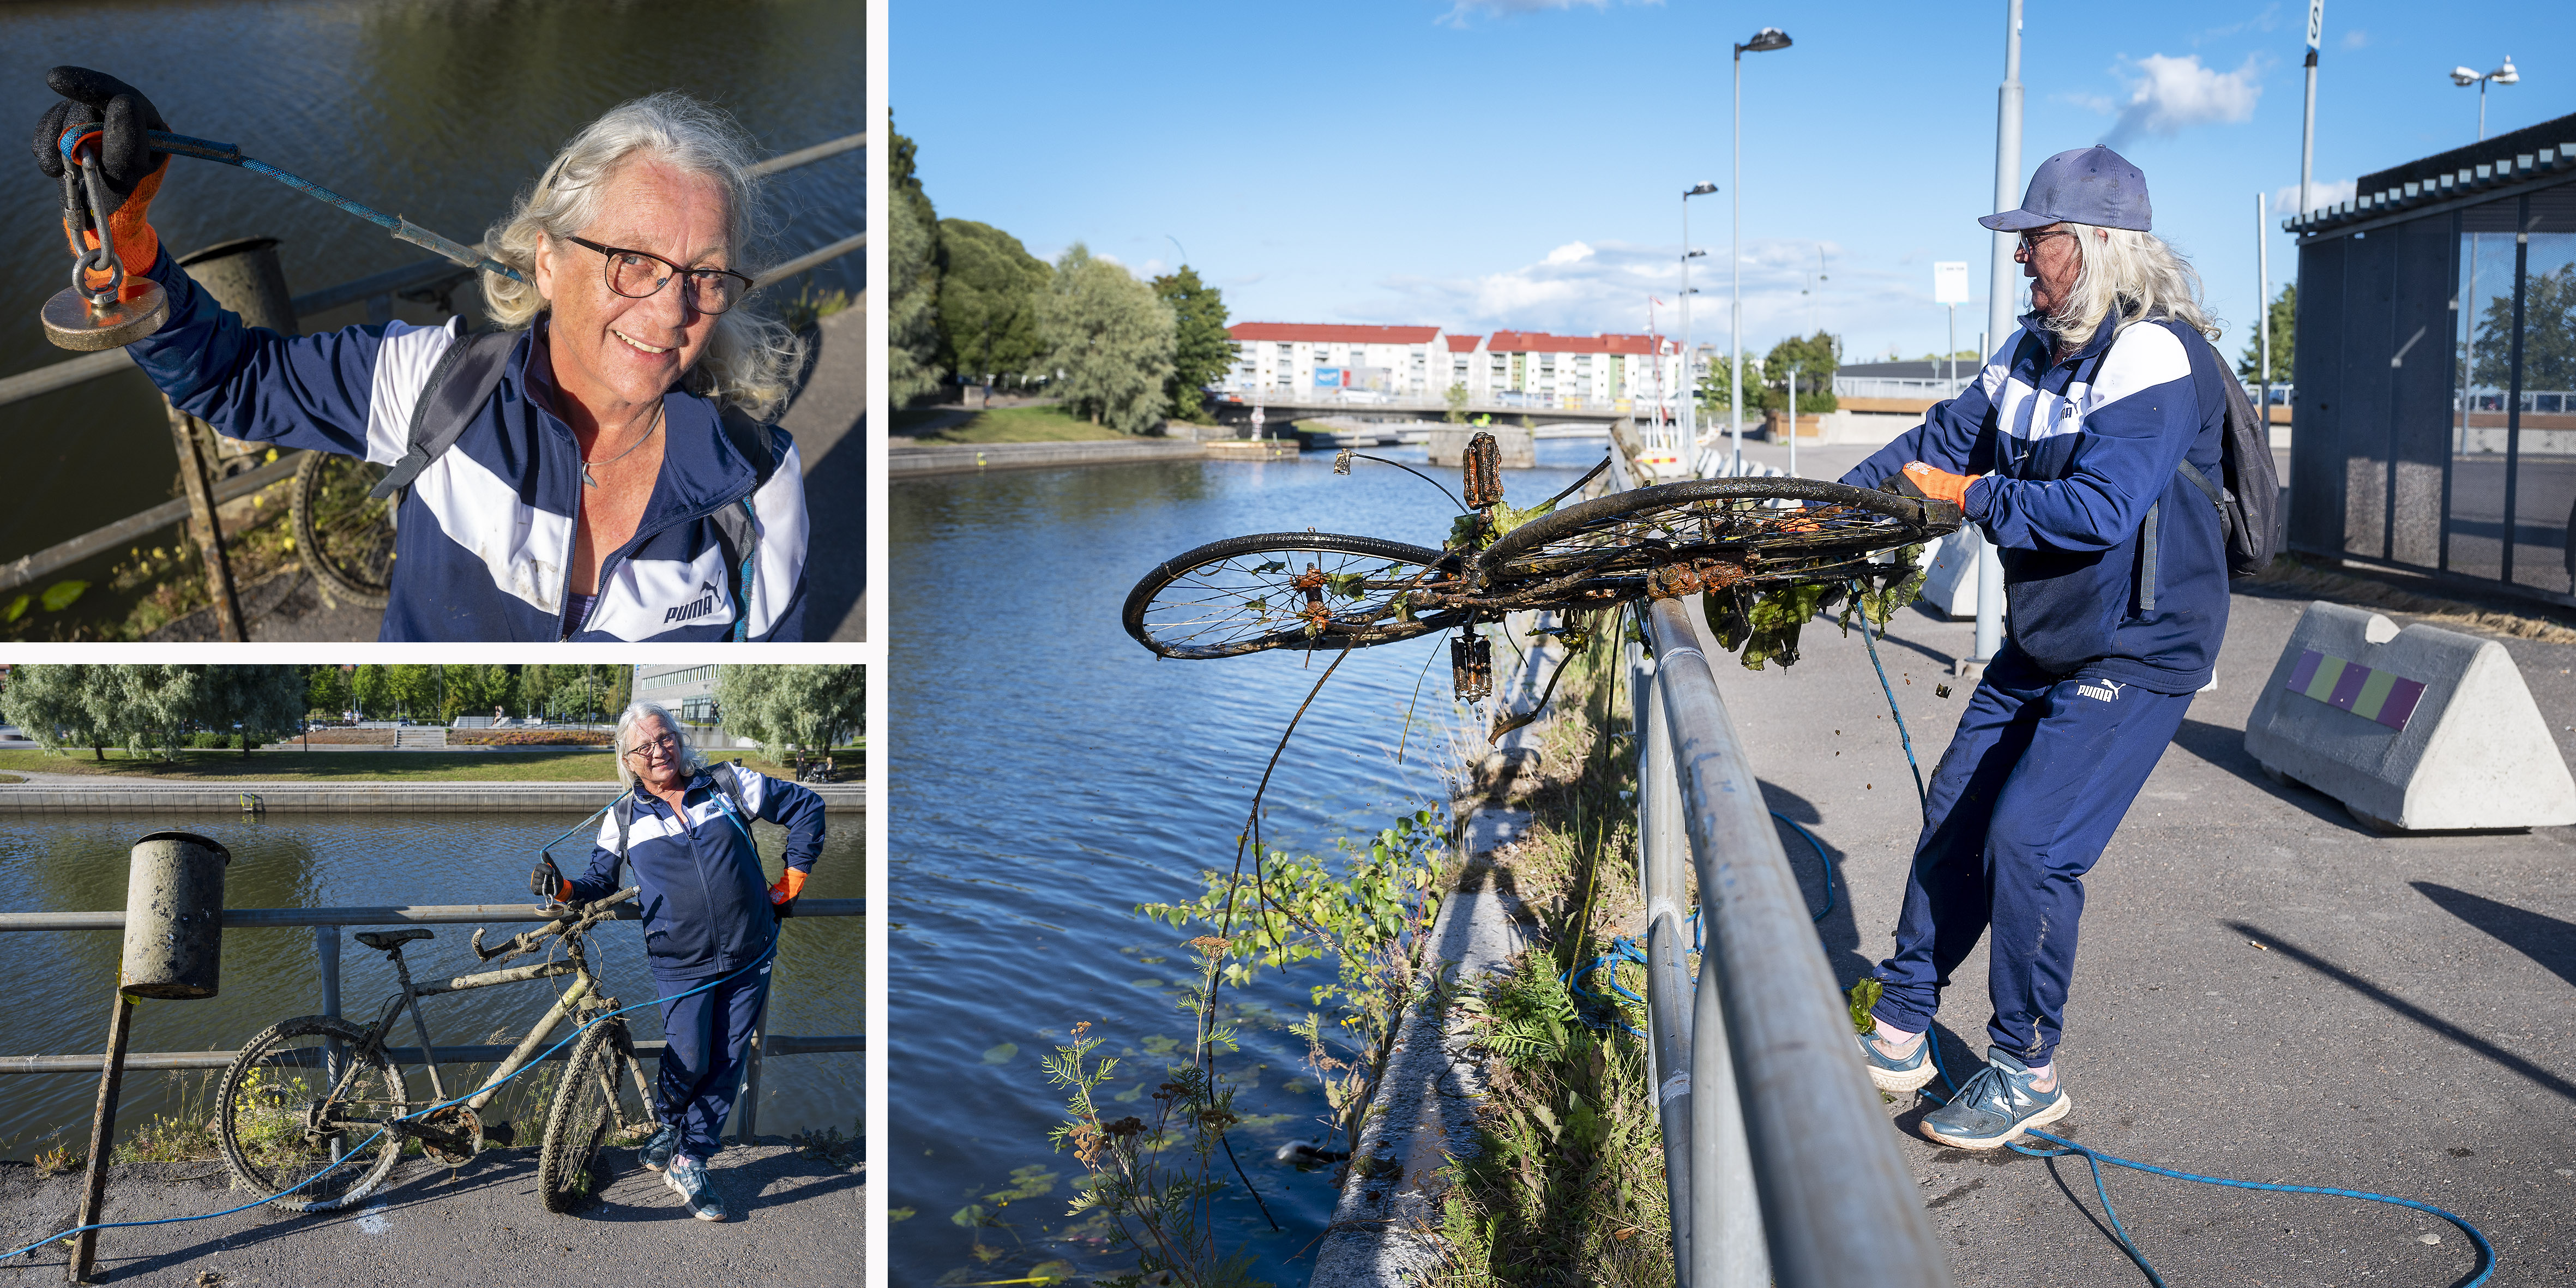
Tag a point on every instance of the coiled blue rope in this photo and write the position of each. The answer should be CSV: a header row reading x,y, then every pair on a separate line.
x,y
1625,949
361,1146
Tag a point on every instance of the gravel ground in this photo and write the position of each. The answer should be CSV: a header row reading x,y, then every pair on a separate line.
x,y
796,1222
2266,990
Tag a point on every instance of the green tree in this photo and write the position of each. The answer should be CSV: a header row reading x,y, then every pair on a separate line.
x,y
63,706
1456,398
372,689
912,267
2282,316
413,688
326,690
1201,349
536,688
473,690
989,286
789,707
2548,334
1815,358
266,701
1109,342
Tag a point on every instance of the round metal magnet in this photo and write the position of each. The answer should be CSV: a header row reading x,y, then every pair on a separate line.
x,y
71,322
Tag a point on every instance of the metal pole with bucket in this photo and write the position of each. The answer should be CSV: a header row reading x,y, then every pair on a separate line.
x,y
174,939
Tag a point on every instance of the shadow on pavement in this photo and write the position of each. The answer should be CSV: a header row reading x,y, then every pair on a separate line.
x,y
2534,1073
1820,882
2223,746
2543,939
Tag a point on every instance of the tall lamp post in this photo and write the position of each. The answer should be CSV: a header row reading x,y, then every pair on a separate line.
x,y
2505,75
1690,387
1764,41
2000,291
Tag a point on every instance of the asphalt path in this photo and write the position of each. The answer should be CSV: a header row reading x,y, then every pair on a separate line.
x,y
2265,990
797,1222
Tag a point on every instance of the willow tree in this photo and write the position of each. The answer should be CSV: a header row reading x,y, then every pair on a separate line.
x,y
912,270
788,707
1109,342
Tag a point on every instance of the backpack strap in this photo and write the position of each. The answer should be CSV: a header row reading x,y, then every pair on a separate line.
x,y
739,523
624,812
459,385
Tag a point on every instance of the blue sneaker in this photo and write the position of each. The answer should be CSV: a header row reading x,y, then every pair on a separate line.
x,y
688,1176
657,1151
1996,1106
1887,1073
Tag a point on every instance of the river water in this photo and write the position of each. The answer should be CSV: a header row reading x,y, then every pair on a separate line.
x,y
440,110
1047,774
58,983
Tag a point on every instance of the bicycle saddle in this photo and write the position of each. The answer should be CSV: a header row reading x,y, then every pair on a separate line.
x,y
385,940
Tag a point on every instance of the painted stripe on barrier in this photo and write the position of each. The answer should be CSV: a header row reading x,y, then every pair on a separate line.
x,y
2381,696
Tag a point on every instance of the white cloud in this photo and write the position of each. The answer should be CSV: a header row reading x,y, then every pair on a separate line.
x,y
1569,253
2322,193
2355,38
2173,94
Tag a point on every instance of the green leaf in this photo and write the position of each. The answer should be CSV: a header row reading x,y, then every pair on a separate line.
x,y
62,595
1001,1054
1271,566
17,608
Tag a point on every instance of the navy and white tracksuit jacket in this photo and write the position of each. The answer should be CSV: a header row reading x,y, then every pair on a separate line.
x,y
484,540
2079,704
706,914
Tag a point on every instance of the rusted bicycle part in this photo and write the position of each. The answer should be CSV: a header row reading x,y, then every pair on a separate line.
x,y
453,1135
1674,580
344,534
1289,590
575,919
1471,666
1484,467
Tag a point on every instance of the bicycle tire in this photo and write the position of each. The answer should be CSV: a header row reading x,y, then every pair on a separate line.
x,y
345,536
1735,518
342,1183
1170,615
597,1103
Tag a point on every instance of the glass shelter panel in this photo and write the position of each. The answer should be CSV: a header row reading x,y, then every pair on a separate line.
x,y
2481,428
2544,491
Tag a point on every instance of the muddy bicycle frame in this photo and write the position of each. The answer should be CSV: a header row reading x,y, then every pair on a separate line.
x,y
581,1000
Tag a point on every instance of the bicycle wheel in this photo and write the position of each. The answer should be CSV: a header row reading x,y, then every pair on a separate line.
x,y
284,1115
596,1105
1298,590
345,535
1824,530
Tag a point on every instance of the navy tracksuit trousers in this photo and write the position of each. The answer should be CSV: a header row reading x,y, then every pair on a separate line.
x,y
2036,779
708,1035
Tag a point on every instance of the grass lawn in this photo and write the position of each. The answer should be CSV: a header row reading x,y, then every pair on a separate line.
x,y
567,765
1005,425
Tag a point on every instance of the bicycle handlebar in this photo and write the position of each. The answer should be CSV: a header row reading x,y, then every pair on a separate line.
x,y
574,919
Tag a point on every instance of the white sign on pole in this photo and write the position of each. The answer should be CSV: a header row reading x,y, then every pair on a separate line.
x,y
2316,21
1950,281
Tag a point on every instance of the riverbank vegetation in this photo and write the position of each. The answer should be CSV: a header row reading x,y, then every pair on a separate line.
x,y
1042,423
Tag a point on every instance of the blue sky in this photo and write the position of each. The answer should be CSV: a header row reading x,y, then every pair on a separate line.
x,y
1519,163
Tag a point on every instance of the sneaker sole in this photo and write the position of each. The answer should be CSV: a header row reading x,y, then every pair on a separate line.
x,y
684,1198
2064,1105
1899,1079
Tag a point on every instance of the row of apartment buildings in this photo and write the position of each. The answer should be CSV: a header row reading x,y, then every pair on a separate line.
x,y
1369,363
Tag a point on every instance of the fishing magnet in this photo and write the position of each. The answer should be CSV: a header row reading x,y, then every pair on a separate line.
x,y
72,322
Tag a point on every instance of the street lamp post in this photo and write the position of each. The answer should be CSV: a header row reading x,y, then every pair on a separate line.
x,y
1764,41
2504,75
2000,291
1690,387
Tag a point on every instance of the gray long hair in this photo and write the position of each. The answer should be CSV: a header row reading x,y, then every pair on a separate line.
x,y
637,713
2134,273
751,360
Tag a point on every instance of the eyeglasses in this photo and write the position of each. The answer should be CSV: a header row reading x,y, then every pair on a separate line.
x,y
636,274
2030,241
667,744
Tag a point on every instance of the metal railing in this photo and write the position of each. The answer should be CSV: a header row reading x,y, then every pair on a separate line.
x,y
428,279
1905,386
326,923
1780,1165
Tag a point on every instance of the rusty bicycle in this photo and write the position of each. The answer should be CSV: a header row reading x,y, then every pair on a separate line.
x,y
320,1097
1727,538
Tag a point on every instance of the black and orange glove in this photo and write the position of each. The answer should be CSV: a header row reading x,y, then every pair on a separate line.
x,y
782,896
547,882
116,116
1941,485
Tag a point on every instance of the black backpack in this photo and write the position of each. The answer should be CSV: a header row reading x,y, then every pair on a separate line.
x,y
463,380
727,785
2248,496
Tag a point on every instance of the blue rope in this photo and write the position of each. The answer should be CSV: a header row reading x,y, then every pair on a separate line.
x,y
2487,1258
1908,739
1625,949
361,1146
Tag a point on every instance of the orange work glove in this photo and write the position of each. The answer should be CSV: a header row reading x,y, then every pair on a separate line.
x,y
112,117
1939,485
790,884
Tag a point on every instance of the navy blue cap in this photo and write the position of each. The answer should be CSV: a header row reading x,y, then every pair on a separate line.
x,y
2092,185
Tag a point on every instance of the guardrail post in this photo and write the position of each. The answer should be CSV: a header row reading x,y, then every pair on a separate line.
x,y
102,1138
193,439
747,1105
326,954
1661,851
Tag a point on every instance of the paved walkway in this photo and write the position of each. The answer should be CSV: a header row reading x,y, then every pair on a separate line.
x,y
797,1223
2266,990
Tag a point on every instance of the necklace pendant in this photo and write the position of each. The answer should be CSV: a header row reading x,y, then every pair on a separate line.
x,y
586,479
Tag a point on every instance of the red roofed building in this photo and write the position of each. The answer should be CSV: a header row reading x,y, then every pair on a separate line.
x,y
1305,358
1578,370
1515,368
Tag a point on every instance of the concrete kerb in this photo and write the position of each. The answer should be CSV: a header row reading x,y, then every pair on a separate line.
x,y
1422,1113
968,458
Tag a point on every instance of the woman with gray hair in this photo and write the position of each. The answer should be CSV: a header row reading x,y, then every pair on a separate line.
x,y
685,828
2088,452
599,467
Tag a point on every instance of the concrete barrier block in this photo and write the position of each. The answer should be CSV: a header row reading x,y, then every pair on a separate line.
x,y
2420,729
1950,574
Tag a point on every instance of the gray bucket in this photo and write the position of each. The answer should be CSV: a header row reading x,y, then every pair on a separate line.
x,y
174,916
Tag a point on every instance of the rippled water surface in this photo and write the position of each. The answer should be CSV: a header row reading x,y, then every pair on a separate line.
x,y
55,986
440,110
1048,774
